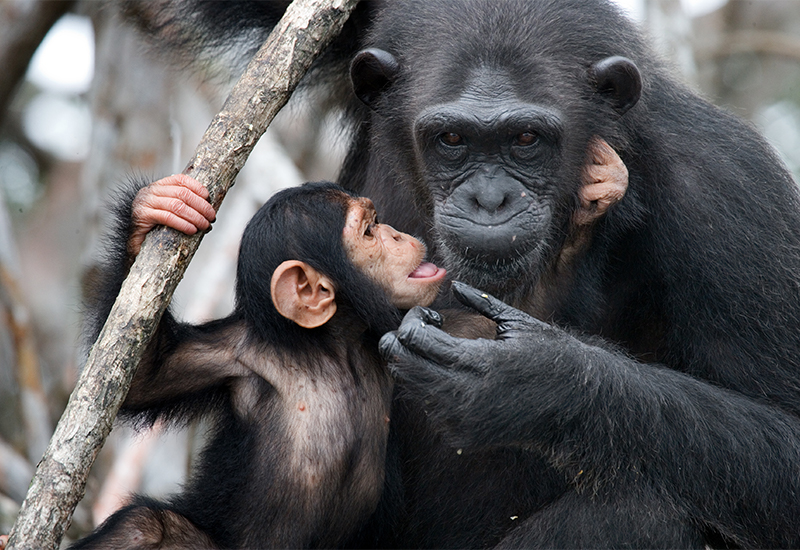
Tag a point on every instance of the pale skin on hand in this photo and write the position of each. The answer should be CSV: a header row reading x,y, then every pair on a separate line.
x,y
178,201
605,181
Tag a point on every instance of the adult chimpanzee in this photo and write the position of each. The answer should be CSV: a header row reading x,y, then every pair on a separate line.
x,y
292,379
676,422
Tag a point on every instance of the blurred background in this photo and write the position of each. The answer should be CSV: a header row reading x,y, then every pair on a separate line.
x,y
84,105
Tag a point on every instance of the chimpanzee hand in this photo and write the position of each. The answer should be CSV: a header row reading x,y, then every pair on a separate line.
x,y
604,182
486,392
177,201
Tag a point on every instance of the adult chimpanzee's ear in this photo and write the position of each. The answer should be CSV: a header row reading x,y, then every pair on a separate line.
x,y
618,79
371,71
302,294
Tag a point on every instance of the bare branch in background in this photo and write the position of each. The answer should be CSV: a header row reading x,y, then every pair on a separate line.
x,y
23,26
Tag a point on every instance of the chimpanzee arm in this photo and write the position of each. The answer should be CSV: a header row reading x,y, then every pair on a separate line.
x,y
177,201
605,419
183,363
186,369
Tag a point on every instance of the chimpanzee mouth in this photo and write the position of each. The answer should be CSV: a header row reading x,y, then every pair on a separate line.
x,y
495,274
427,270
499,252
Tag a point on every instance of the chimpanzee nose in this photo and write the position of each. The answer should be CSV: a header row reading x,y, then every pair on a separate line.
x,y
491,198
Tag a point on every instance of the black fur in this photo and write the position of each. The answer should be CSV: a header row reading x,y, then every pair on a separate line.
x,y
271,475
688,436
317,205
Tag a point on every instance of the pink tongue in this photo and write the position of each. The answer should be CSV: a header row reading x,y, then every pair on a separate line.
x,y
427,269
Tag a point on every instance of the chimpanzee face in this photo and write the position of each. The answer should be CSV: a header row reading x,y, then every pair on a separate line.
x,y
392,260
496,152
490,160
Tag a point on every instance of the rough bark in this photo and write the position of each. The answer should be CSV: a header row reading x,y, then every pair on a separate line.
x,y
269,80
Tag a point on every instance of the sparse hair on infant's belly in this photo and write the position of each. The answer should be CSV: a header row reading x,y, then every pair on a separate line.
x,y
336,428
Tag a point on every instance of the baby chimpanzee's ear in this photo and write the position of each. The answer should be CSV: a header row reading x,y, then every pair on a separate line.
x,y
302,294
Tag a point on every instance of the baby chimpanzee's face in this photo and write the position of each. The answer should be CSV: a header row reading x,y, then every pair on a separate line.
x,y
393,260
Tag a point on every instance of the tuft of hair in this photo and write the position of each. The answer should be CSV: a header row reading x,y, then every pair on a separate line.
x,y
146,524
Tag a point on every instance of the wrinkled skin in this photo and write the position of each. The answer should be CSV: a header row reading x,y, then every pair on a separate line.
x,y
393,260
178,201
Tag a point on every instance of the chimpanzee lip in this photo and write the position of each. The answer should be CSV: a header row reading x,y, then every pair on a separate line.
x,y
427,270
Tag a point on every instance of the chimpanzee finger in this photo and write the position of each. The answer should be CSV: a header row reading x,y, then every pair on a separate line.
x,y
406,365
423,375
431,316
149,217
182,195
164,209
605,193
429,341
185,181
506,317
600,152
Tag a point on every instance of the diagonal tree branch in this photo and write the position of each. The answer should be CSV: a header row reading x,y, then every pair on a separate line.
x,y
60,481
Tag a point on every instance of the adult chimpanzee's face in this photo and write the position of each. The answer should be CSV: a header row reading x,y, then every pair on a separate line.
x,y
489,160
498,149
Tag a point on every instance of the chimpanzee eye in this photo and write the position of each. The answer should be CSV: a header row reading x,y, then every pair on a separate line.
x,y
526,138
369,229
451,138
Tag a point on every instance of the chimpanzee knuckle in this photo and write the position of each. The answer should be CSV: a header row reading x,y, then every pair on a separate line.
x,y
594,173
157,216
400,354
476,299
177,206
186,181
587,193
390,347
603,203
619,186
415,315
160,183
504,314
432,317
419,337
407,333
184,194
501,312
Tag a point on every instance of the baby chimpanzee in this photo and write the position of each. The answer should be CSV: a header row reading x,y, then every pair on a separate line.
x,y
299,397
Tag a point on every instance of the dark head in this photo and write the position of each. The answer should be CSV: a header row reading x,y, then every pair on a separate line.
x,y
490,129
305,226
